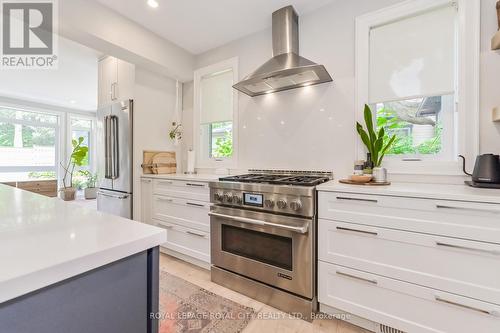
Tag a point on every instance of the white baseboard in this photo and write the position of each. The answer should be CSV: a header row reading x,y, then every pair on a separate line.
x,y
350,318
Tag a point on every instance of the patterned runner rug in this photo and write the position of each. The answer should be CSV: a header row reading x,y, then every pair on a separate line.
x,y
185,307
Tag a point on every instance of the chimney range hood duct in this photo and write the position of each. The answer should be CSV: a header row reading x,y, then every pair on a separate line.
x,y
286,69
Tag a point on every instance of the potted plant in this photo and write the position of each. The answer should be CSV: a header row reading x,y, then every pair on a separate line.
x,y
375,144
90,191
78,154
175,133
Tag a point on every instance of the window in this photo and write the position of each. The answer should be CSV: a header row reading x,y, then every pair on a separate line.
x,y
82,127
29,144
215,116
412,60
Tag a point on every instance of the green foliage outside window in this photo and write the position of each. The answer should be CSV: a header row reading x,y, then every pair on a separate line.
x,y
403,144
224,146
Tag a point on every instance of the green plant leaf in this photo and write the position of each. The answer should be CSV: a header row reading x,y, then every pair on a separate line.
x,y
364,136
369,125
381,132
387,146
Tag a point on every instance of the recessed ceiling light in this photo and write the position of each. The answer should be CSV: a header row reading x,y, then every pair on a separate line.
x,y
153,3
72,101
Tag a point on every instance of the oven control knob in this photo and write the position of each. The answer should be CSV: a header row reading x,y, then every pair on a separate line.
x,y
269,203
228,197
218,196
237,200
281,203
296,205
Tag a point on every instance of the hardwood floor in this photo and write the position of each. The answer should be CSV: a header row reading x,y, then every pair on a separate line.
x,y
268,319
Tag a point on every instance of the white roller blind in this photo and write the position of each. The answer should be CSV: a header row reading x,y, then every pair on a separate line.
x,y
414,56
216,95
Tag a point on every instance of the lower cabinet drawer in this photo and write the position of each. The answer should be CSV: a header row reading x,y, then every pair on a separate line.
x,y
467,220
182,189
190,242
184,212
458,266
404,306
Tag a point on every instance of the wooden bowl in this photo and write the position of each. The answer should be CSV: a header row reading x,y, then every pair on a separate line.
x,y
361,179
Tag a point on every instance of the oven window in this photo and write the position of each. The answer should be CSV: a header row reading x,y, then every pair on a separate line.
x,y
266,248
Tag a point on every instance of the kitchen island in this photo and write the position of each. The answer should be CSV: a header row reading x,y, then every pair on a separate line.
x,y
70,269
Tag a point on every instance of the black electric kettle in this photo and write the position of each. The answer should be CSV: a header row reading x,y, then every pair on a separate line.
x,y
486,171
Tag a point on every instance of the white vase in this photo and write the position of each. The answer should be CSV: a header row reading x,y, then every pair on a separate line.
x,y
379,175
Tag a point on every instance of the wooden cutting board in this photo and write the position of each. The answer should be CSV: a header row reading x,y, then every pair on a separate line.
x,y
350,182
159,162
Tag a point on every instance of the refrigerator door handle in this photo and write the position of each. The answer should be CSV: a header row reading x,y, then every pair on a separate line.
x,y
107,147
121,197
115,149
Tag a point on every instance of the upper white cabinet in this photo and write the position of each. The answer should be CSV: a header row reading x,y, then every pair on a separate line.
x,y
116,80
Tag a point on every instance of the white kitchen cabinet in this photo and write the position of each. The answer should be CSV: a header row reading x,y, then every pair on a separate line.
x,y
116,80
181,207
181,211
182,189
408,307
414,264
186,241
455,265
460,219
146,200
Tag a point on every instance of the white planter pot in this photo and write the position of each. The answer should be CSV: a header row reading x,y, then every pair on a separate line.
x,y
379,175
90,192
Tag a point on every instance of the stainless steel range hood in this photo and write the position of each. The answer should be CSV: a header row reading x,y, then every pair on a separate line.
x,y
286,69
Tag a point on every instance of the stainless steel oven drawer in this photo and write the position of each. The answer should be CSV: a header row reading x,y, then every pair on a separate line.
x,y
272,249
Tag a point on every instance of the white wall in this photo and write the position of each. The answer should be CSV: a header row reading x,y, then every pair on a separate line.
x,y
74,79
313,127
310,128
96,26
154,111
490,80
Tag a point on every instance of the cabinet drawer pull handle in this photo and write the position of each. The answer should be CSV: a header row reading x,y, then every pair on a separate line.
x,y
357,199
165,199
146,180
461,247
166,226
194,204
358,231
442,300
165,182
356,277
468,208
195,234
195,185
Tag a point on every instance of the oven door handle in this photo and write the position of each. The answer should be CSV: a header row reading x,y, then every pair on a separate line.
x,y
300,230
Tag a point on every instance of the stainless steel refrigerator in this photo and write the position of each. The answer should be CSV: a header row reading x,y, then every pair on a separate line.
x,y
114,158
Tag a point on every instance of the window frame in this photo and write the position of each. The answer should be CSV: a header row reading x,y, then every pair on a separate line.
x,y
467,89
57,142
93,138
201,161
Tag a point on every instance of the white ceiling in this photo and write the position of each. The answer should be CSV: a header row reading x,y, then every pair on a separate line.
x,y
200,25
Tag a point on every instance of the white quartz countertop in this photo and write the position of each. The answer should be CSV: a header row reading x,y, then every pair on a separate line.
x,y
418,190
46,240
180,176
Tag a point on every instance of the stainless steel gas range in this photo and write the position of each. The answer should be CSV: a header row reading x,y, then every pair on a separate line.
x,y
263,237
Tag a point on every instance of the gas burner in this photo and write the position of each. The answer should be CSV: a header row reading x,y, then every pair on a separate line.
x,y
288,178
